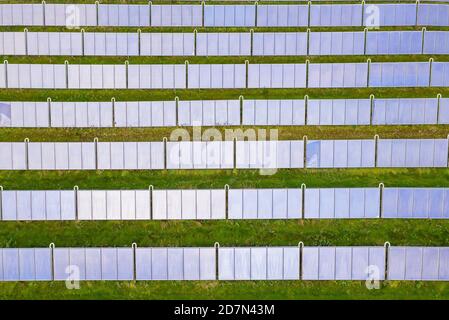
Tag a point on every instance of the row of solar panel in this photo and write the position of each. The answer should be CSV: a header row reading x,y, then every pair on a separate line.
x,y
225,76
225,113
398,153
225,15
293,203
224,44
227,263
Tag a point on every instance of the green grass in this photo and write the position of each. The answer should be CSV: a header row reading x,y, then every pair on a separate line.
x,y
216,94
218,59
204,179
332,232
284,133
238,290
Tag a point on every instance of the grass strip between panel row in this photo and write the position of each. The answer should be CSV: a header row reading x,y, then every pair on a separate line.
x,y
284,133
217,179
188,233
237,290
219,59
216,94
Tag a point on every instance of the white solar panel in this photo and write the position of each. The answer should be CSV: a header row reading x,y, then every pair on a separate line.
x,y
340,153
274,263
337,75
264,203
412,153
209,112
176,15
436,42
336,43
24,114
277,76
156,76
189,204
273,112
399,74
167,44
200,154
12,156
282,15
403,14
269,154
280,43
216,76
440,76
433,14
229,15
336,15
394,42
73,15
339,112
405,111
38,205
415,203
223,44
342,263
175,264
13,43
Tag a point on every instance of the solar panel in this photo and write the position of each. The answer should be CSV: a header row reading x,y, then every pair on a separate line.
x,y
109,264
200,155
439,76
403,14
156,76
13,43
145,114
269,154
38,205
340,153
394,42
10,259
92,263
209,112
436,42
433,14
337,75
341,263
81,114
176,15
195,204
414,203
405,111
24,114
338,112
175,264
399,74
274,263
280,44
223,44
229,15
336,15
412,153
166,44
282,15
12,156
276,76
216,76
113,205
55,14
336,43
264,203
